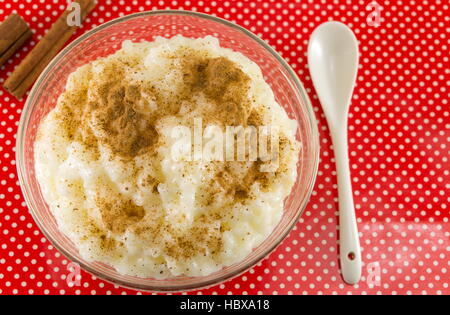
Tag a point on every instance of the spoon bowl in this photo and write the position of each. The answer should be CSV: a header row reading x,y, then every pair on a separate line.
x,y
333,61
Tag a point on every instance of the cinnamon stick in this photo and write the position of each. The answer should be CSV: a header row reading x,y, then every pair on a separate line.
x,y
14,31
31,67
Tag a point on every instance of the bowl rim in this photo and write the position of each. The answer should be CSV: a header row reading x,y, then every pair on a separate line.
x,y
25,115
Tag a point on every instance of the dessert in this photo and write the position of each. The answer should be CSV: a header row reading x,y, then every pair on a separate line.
x,y
105,159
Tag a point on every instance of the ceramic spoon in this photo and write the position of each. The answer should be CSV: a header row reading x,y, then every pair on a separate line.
x,y
333,63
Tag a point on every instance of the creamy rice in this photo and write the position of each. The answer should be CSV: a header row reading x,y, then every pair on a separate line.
x,y
103,159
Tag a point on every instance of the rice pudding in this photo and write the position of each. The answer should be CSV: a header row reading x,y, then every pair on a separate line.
x,y
104,159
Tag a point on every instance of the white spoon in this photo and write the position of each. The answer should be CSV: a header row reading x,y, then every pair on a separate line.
x,y
333,64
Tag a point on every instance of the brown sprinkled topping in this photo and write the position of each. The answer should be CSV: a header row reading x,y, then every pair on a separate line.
x,y
118,214
113,112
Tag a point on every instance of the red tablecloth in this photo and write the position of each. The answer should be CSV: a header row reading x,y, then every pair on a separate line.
x,y
399,150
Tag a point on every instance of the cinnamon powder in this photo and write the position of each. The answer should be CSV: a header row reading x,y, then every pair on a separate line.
x,y
108,112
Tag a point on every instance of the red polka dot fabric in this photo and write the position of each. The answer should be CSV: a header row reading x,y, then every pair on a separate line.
x,y
399,133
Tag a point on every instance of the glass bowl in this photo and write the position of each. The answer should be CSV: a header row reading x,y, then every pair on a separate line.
x,y
105,40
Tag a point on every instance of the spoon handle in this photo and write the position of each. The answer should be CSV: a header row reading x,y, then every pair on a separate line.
x,y
350,251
